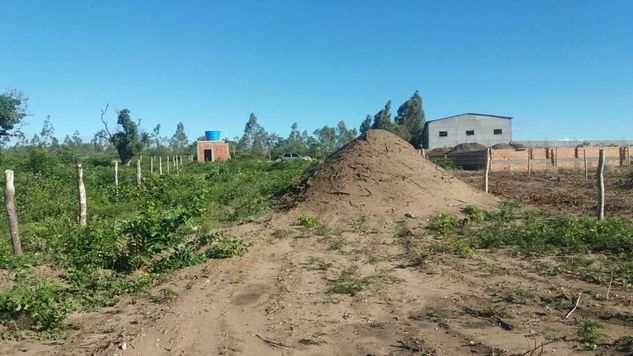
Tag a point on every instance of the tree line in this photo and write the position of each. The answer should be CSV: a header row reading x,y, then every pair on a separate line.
x,y
256,142
129,140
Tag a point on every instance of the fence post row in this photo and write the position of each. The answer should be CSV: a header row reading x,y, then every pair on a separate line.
x,y
138,172
601,162
529,161
116,173
82,196
488,163
584,155
12,215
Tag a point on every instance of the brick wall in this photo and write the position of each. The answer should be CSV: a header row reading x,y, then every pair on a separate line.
x,y
219,149
567,158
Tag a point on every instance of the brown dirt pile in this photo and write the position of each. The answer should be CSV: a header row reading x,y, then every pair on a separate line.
x,y
379,175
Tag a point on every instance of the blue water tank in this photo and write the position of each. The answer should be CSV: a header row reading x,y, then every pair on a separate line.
x,y
212,135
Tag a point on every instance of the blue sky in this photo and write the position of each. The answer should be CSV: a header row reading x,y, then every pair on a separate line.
x,y
562,69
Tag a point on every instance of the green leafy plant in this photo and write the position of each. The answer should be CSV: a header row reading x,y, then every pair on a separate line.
x,y
228,247
442,223
474,213
308,221
348,282
590,331
318,263
42,306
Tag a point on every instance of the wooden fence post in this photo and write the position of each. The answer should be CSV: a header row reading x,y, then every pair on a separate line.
x,y
529,167
160,165
584,155
116,173
556,157
628,154
83,207
151,165
12,215
601,185
138,172
486,178
168,164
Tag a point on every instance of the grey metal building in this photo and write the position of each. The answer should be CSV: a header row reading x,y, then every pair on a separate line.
x,y
484,129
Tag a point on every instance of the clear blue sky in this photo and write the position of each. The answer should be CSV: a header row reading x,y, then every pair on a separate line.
x,y
562,69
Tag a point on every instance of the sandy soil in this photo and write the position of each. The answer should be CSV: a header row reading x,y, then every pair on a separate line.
x,y
278,299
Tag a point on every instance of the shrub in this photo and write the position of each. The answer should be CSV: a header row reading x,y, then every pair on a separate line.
x,y
442,223
590,331
228,247
41,307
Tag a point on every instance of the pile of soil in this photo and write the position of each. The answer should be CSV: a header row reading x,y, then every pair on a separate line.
x,y
518,146
502,146
468,147
380,175
440,151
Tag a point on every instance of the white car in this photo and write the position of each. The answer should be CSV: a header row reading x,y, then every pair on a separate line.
x,y
291,156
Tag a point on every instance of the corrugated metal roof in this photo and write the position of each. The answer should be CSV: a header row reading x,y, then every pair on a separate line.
x,y
472,113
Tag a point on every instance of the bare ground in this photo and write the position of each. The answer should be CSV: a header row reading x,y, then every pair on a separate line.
x,y
357,290
276,300
564,190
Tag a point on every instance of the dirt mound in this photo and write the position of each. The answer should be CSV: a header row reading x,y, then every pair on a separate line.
x,y
380,175
441,150
468,147
503,146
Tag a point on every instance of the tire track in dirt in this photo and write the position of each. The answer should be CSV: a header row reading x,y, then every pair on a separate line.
x,y
221,314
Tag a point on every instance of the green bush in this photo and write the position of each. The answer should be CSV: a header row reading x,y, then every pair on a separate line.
x,y
228,247
129,228
442,223
475,214
41,306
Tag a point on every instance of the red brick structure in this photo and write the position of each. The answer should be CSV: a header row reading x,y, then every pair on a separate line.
x,y
212,151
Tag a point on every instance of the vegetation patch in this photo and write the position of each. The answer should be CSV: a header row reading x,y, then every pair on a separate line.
x,y
133,233
532,234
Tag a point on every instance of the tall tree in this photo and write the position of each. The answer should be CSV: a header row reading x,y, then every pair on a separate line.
x,y
13,108
327,140
344,135
179,139
296,140
410,118
382,119
47,132
100,140
253,140
366,125
156,140
128,142
36,141
76,139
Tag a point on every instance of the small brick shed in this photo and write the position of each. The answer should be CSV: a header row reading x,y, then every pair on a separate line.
x,y
212,151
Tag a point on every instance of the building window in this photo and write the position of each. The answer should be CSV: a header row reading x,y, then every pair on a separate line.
x,y
498,131
470,132
443,133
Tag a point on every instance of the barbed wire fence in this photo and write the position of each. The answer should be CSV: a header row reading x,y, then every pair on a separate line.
x,y
530,160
